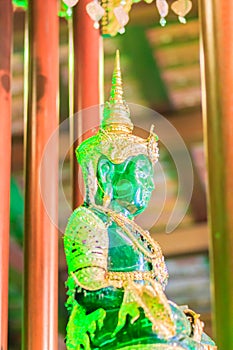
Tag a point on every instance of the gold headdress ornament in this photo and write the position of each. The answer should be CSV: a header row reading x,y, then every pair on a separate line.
x,y
115,137
116,116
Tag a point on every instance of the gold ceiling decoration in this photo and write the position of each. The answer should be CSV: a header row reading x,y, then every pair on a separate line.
x,y
111,16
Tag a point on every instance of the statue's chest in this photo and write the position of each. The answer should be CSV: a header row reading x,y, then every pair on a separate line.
x,y
122,255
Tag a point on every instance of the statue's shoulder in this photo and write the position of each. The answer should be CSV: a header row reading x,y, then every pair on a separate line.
x,y
84,225
85,240
85,219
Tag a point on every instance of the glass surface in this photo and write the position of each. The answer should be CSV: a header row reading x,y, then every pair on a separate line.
x,y
101,239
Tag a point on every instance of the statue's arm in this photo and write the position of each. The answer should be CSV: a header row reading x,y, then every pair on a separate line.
x,y
86,245
91,278
86,248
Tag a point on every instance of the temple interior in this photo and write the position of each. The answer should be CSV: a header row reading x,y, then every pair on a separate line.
x,y
161,70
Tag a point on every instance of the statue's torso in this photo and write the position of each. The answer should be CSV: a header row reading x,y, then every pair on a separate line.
x,y
122,256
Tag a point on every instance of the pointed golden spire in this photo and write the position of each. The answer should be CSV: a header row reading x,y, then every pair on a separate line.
x,y
116,114
116,94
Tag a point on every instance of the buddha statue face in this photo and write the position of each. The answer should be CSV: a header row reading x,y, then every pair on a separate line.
x,y
127,185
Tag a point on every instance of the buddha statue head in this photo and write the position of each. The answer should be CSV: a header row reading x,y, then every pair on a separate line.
x,y
117,165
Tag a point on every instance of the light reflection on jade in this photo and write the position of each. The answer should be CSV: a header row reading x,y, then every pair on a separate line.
x,y
117,273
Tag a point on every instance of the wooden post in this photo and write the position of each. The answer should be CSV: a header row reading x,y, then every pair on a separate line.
x,y
41,240
5,160
87,81
217,83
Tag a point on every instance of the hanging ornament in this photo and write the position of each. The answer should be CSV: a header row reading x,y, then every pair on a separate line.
x,y
95,11
162,7
113,15
181,8
70,3
122,18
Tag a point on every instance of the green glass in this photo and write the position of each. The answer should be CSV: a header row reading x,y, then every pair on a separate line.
x,y
130,187
21,3
94,314
117,274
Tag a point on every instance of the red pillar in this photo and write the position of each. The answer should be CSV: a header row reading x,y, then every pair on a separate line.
x,y
217,78
87,52
5,161
41,241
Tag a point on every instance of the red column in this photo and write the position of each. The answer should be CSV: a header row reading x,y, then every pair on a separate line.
x,y
217,79
41,241
5,161
87,50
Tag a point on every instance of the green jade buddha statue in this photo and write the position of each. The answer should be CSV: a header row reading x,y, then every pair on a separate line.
x,y
117,273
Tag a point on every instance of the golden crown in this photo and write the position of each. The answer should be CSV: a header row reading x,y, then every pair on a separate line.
x,y
115,138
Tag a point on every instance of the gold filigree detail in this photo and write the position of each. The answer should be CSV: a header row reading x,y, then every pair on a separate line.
x,y
115,138
152,347
90,278
197,328
86,246
130,276
86,241
109,24
152,300
152,251
196,324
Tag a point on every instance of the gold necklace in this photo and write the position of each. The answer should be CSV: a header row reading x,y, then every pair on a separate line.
x,y
122,221
156,257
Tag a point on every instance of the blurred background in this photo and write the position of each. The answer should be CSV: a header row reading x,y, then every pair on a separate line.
x,y
160,67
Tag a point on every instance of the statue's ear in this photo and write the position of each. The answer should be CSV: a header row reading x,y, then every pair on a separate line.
x,y
105,169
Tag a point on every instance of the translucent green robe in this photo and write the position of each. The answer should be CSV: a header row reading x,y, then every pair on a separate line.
x,y
99,317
